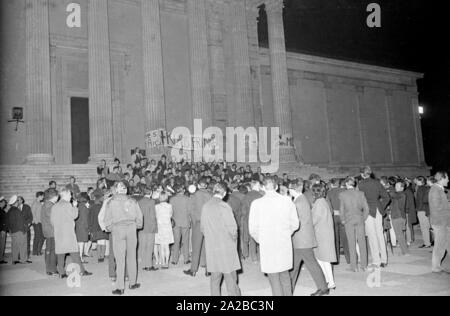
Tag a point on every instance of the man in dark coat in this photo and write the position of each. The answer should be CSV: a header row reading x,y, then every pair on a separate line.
x,y
304,241
354,211
73,187
220,230
3,228
97,234
248,243
18,224
411,212
82,222
377,199
340,237
180,203
423,211
28,215
36,209
195,209
147,233
235,199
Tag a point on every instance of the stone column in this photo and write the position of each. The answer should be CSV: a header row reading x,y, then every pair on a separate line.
x,y
215,15
198,48
255,67
38,97
390,130
100,97
280,83
241,58
154,100
418,129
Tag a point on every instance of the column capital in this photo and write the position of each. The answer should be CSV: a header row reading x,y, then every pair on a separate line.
x,y
274,6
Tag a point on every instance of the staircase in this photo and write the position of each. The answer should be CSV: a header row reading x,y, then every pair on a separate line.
x,y
26,180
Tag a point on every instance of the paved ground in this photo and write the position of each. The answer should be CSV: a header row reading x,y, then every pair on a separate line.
x,y
409,275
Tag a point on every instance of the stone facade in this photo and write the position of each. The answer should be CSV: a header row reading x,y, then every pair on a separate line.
x,y
155,64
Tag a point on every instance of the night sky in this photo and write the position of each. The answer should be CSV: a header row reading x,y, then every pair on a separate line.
x,y
412,37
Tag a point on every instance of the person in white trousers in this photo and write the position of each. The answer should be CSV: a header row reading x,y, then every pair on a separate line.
x,y
423,209
378,199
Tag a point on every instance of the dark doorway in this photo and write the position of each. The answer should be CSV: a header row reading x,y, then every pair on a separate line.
x,y
79,110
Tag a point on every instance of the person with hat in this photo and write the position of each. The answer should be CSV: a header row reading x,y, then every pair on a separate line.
x,y
123,217
18,225
62,217
3,228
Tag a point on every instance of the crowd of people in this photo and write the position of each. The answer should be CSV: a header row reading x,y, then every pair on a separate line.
x,y
216,215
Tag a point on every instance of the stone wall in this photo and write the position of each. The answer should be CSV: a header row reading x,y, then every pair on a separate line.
x,y
343,114
348,114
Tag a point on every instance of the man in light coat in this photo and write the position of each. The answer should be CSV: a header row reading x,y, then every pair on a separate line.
x,y
63,215
272,221
440,221
220,230
51,197
304,241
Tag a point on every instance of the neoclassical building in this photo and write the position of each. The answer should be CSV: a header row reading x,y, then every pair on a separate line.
x,y
92,91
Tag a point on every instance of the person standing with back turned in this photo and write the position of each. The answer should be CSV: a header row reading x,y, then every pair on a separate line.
x,y
378,199
123,218
272,221
220,230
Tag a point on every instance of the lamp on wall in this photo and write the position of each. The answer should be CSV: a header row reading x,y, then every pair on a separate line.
x,y
421,110
17,117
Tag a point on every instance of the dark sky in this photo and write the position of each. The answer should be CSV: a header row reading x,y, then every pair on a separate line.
x,y
412,37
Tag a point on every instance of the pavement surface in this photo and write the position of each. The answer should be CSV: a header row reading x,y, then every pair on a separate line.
x,y
405,275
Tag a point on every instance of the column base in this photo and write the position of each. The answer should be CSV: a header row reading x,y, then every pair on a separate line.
x,y
40,159
97,158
